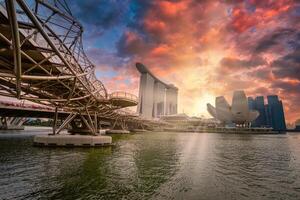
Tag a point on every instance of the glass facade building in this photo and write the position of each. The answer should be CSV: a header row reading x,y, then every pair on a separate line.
x,y
270,114
276,113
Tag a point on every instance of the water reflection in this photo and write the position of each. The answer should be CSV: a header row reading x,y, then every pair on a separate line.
x,y
154,166
132,169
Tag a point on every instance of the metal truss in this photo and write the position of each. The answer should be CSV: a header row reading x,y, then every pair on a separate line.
x,y
42,60
48,64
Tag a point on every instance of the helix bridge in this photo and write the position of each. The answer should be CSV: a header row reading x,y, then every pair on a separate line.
x,y
42,60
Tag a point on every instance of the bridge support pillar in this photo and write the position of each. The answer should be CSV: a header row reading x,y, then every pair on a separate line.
x,y
12,123
119,127
119,124
84,125
80,123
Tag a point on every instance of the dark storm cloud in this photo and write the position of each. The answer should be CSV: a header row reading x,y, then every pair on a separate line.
x,y
131,43
138,9
101,13
133,39
287,66
273,39
291,88
234,63
261,73
101,57
234,2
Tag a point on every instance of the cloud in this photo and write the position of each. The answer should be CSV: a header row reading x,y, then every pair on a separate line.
x,y
259,91
288,86
242,20
236,64
273,39
206,48
261,73
131,43
171,9
258,13
287,66
102,57
101,13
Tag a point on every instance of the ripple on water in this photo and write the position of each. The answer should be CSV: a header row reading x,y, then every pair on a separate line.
x,y
154,166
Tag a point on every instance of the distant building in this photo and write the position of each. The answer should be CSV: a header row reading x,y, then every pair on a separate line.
x,y
276,113
182,122
297,125
259,105
270,115
236,114
156,98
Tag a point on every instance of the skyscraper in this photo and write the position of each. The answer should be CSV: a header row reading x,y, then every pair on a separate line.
x,y
251,103
276,113
156,98
270,115
260,107
297,125
252,106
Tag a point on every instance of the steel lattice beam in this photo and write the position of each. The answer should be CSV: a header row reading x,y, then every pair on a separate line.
x,y
42,60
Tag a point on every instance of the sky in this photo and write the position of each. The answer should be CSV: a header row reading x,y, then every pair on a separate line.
x,y
207,48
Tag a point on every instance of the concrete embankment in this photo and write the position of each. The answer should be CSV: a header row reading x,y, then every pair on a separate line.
x,y
72,140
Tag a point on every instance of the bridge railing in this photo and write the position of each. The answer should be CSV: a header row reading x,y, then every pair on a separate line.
x,y
127,112
22,105
123,95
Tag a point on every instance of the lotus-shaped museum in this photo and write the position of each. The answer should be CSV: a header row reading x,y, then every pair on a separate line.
x,y
238,113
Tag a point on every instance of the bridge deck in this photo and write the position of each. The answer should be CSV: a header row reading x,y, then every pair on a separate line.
x,y
53,72
42,60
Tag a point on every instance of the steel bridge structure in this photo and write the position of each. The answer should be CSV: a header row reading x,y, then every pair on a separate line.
x,y
42,60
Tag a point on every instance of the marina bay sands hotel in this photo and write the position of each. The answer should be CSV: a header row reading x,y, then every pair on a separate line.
x,y
156,98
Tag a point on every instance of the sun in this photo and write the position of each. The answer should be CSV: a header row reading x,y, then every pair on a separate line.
x,y
200,106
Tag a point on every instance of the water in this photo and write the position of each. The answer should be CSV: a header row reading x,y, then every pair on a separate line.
x,y
153,166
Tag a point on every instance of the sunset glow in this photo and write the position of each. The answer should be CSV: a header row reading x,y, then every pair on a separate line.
x,y
205,48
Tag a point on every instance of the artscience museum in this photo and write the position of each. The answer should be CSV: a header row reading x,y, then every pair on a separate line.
x,y
237,113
